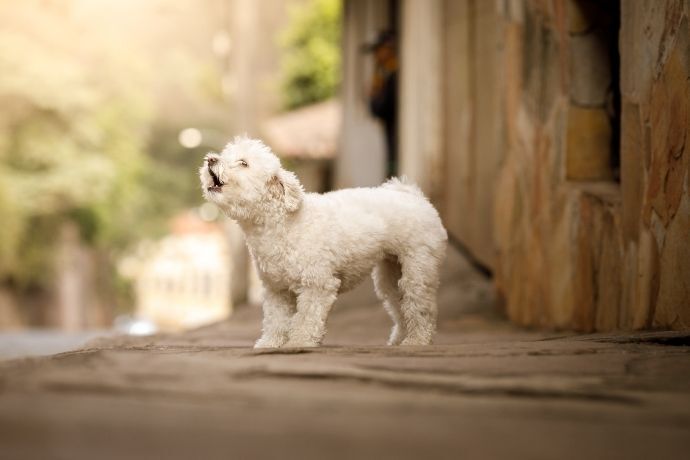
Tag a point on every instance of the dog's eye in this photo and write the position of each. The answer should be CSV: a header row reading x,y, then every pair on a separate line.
x,y
243,163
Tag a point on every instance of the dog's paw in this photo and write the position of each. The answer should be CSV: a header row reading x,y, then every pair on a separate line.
x,y
269,342
397,336
416,341
301,344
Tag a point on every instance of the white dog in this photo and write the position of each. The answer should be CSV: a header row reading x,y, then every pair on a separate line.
x,y
309,247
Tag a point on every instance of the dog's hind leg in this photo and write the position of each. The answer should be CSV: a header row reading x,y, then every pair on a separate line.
x,y
386,275
418,285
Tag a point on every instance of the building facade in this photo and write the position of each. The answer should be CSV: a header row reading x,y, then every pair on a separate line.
x,y
553,137
182,280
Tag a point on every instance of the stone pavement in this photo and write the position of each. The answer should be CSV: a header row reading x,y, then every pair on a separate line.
x,y
485,390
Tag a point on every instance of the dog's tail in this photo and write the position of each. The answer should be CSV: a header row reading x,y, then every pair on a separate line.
x,y
402,184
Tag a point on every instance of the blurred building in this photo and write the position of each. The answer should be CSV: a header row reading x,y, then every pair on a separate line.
x,y
553,137
361,162
182,280
306,140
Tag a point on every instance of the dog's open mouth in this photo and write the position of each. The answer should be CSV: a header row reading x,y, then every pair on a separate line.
x,y
217,183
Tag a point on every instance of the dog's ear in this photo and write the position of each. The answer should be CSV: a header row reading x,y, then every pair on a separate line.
x,y
285,185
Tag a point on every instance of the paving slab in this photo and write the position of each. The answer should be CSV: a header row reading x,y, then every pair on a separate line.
x,y
485,389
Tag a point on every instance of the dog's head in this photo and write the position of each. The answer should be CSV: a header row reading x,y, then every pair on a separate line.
x,y
247,182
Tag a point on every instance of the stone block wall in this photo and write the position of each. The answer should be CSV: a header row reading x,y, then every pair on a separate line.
x,y
655,47
553,136
591,221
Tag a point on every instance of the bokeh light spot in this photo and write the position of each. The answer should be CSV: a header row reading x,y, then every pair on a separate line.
x,y
208,212
190,138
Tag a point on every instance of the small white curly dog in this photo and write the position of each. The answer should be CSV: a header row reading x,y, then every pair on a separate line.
x,y
308,247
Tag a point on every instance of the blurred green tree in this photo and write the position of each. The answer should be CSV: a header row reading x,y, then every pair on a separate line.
x,y
311,62
72,147
83,139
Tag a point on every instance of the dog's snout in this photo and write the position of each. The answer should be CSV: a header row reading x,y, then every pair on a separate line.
x,y
211,160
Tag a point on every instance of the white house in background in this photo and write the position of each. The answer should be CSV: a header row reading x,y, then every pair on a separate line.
x,y
183,281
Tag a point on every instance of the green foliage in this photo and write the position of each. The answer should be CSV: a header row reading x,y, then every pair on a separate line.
x,y
311,62
76,124
92,98
10,229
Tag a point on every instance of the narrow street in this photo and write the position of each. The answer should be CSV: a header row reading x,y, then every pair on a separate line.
x,y
486,389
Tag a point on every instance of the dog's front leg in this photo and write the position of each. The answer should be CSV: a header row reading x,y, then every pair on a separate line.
x,y
278,308
309,323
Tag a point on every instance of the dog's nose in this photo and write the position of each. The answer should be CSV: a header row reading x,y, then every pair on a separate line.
x,y
211,160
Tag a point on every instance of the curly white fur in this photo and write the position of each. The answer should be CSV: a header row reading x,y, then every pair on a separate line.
x,y
309,247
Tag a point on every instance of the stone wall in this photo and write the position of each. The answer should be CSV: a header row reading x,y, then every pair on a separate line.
x,y
580,245
655,56
450,112
563,154
555,145
473,143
